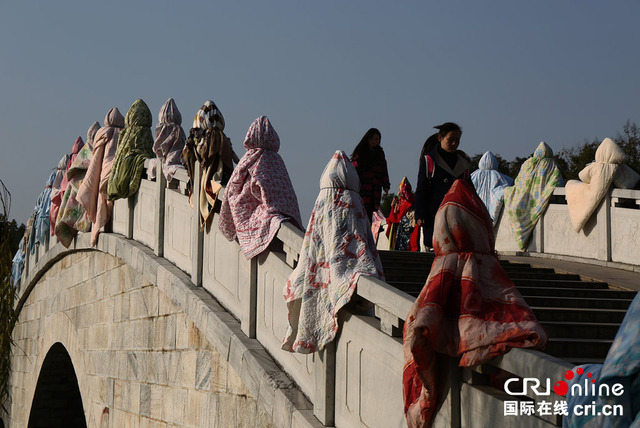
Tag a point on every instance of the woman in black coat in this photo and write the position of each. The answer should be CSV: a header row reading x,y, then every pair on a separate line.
x,y
441,163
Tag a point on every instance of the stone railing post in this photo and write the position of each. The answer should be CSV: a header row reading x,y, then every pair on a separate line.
x,y
196,250
248,321
325,374
161,185
603,224
25,267
130,216
390,323
455,383
538,234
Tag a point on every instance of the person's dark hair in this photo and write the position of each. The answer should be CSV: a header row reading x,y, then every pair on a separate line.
x,y
443,130
363,146
447,127
429,144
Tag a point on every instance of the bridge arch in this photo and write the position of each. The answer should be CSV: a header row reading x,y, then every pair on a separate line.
x,y
57,401
145,345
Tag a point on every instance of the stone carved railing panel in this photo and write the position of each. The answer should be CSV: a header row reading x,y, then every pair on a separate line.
x,y
504,235
625,235
120,217
225,271
505,239
144,217
560,238
271,322
366,358
178,233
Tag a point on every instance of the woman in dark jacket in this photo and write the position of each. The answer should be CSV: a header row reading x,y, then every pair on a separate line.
x,y
371,165
441,163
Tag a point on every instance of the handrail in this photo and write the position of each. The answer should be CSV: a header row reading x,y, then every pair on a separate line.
x,y
391,305
291,238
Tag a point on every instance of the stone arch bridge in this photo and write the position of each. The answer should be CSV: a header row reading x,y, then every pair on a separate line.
x,y
162,325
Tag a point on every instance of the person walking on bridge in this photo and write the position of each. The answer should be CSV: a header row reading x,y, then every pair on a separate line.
x,y
371,165
441,163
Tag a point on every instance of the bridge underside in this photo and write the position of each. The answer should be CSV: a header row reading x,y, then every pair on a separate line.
x,y
57,401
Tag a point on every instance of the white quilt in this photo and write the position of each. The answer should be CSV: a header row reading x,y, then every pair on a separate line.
x,y
584,195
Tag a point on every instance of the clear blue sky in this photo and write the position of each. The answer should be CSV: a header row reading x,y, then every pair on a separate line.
x,y
511,73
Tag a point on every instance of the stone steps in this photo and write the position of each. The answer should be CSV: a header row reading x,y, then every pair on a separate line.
x,y
406,258
582,360
528,278
560,283
418,271
580,317
539,288
580,329
545,276
588,316
604,293
586,348
577,302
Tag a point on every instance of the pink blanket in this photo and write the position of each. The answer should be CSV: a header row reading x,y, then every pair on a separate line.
x,y
259,194
93,191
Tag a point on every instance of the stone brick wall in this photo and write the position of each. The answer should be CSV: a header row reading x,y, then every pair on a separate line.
x,y
135,353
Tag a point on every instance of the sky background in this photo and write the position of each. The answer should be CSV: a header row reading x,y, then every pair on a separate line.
x,y
510,73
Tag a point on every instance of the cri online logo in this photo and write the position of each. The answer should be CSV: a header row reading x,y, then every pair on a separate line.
x,y
562,388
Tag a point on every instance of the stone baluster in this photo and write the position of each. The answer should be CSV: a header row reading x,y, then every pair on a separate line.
x,y
325,374
603,225
196,250
161,185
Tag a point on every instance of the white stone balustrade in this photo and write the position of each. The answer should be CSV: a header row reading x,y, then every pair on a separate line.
x,y
611,237
356,381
